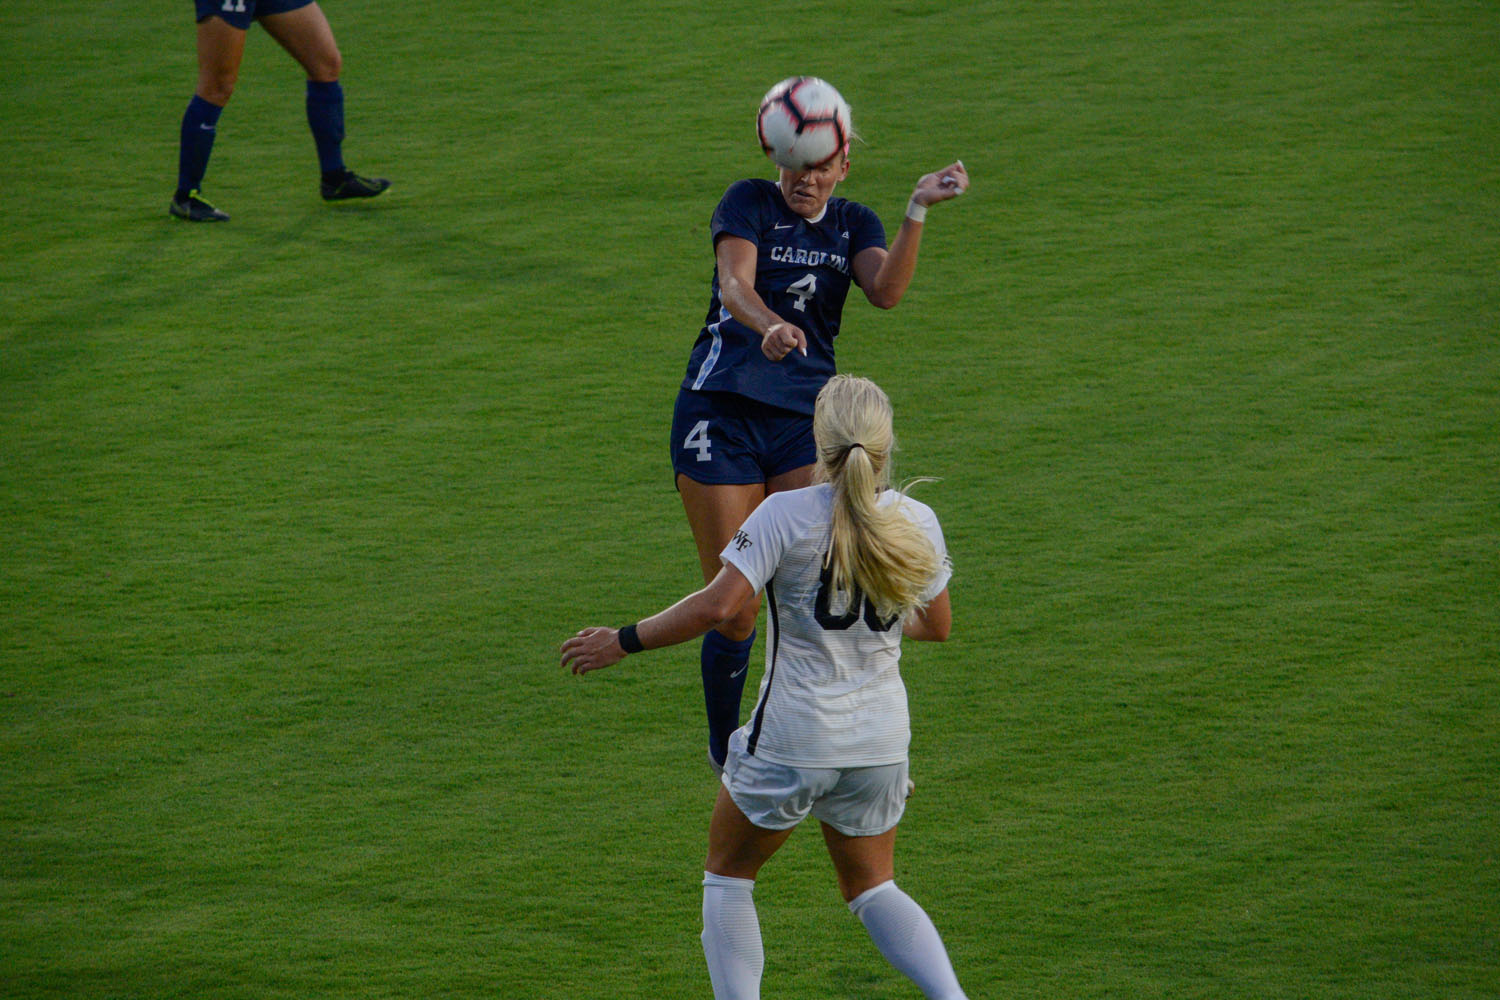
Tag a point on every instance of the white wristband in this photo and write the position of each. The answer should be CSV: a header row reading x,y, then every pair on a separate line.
x,y
916,212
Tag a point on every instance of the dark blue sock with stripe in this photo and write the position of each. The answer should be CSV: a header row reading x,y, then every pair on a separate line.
x,y
325,116
725,664
200,123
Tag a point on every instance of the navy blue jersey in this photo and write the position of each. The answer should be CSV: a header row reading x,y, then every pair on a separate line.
x,y
802,272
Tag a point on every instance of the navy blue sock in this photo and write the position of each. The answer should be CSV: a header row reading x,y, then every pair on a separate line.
x,y
325,116
200,123
725,664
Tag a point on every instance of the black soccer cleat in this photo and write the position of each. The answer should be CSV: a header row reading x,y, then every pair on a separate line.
x,y
337,187
193,208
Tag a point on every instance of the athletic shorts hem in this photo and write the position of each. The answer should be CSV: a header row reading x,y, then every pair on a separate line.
x,y
847,830
753,813
242,13
850,832
729,480
855,801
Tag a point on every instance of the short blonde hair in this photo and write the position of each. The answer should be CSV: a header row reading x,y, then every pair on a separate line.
x,y
875,548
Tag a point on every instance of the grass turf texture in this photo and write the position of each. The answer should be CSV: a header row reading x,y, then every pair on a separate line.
x,y
296,510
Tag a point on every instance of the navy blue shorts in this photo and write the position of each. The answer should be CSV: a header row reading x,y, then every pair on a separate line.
x,y
721,438
239,13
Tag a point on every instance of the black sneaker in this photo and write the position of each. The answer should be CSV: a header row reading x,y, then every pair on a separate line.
x,y
193,208
337,187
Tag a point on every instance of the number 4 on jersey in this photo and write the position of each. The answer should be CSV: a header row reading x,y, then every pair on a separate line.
x,y
697,439
803,288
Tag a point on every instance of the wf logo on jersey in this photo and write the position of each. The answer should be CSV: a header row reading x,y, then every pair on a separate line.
x,y
741,541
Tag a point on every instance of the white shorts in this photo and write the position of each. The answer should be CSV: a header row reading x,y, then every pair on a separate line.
x,y
855,801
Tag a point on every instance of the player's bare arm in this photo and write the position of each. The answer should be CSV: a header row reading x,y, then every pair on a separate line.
x,y
932,623
595,648
884,275
736,260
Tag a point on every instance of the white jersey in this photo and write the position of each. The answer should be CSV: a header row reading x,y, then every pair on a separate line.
x,y
831,695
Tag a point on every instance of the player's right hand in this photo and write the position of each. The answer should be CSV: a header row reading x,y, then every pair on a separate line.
x,y
781,339
592,649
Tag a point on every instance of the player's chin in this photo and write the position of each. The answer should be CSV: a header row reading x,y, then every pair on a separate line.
x,y
804,204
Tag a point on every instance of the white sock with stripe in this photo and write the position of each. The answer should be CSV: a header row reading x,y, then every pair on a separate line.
x,y
906,937
731,937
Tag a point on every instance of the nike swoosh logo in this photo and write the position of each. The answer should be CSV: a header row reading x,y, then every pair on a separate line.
x,y
739,671
781,225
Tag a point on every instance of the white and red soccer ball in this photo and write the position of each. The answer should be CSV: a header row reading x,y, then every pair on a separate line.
x,y
803,123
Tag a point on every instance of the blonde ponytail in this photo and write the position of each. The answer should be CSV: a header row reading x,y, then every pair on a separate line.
x,y
874,548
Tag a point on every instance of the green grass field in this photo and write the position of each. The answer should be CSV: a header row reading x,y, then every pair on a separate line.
x,y
295,511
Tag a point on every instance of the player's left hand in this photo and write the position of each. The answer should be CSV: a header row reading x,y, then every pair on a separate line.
x,y
592,649
950,182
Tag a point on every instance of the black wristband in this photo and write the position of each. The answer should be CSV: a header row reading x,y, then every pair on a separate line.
x,y
629,641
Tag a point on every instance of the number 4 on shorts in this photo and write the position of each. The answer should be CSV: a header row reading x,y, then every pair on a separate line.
x,y
697,439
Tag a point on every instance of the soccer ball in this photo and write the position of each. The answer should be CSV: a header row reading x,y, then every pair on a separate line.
x,y
803,123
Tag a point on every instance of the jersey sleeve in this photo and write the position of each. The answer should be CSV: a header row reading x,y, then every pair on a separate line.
x,y
739,213
923,516
865,230
756,549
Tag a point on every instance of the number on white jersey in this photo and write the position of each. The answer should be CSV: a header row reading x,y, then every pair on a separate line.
x,y
803,288
823,608
698,439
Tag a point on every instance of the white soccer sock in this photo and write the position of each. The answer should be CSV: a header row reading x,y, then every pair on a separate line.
x,y
906,937
731,937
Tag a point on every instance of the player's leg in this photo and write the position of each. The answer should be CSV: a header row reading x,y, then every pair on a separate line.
x,y
306,35
859,817
715,512
737,849
861,863
896,923
221,49
793,480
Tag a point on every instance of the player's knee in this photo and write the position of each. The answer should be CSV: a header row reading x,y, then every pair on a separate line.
x,y
326,66
216,88
855,882
851,882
